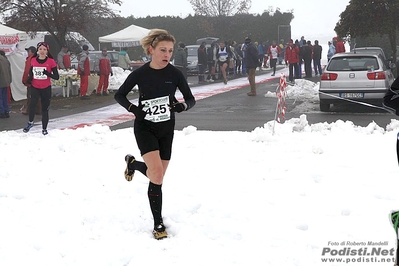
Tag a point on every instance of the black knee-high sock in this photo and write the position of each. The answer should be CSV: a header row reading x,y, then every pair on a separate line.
x,y
140,166
155,197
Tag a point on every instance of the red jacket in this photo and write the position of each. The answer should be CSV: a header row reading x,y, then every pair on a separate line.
x,y
84,64
104,65
339,47
292,54
67,61
25,75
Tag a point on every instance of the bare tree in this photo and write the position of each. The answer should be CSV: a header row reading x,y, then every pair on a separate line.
x,y
58,17
217,8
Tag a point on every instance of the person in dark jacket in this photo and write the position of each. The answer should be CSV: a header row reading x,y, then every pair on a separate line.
x,y
5,81
211,59
307,58
180,58
202,63
391,98
251,63
317,50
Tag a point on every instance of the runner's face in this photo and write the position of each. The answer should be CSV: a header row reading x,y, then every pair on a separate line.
x,y
42,51
161,54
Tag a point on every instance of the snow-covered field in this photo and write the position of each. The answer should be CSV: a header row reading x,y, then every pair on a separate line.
x,y
230,198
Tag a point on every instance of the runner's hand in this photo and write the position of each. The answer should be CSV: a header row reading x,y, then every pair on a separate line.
x,y
178,107
45,72
138,113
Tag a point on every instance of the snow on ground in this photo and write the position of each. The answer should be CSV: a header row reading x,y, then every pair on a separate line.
x,y
230,198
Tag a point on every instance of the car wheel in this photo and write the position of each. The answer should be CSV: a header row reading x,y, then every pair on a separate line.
x,y
324,107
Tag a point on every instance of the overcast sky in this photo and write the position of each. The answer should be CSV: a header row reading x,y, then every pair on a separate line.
x,y
314,19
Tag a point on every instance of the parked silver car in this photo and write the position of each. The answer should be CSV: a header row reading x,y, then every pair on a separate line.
x,y
375,50
357,76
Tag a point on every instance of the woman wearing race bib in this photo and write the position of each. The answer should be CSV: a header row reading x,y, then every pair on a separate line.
x,y
43,68
222,55
154,125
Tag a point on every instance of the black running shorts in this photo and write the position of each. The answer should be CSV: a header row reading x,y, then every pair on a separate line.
x,y
155,136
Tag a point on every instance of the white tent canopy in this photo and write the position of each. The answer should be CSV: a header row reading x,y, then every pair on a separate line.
x,y
129,36
13,41
7,31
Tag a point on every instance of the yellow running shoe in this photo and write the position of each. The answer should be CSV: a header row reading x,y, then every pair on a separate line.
x,y
159,232
129,173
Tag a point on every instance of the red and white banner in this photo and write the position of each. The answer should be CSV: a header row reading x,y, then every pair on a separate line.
x,y
281,95
9,43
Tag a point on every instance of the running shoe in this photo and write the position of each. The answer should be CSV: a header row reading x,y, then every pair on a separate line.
x,y
28,127
129,172
159,232
44,132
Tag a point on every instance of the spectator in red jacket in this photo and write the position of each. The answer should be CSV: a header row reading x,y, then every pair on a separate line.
x,y
340,46
84,72
292,59
64,58
25,80
103,68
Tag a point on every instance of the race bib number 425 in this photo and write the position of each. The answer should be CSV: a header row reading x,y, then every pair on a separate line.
x,y
157,109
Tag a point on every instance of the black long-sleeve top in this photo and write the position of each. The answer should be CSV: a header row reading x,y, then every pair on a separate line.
x,y
152,84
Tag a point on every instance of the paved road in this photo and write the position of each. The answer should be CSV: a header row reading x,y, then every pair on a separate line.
x,y
234,110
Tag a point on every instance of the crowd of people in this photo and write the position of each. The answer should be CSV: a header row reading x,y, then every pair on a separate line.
x,y
302,52
224,59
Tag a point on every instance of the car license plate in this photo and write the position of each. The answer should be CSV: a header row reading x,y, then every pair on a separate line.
x,y
352,95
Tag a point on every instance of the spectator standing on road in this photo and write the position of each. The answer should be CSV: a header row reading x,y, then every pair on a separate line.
x,y
43,69
273,52
298,71
180,58
331,50
317,51
211,59
282,54
5,81
64,58
266,46
292,59
261,55
307,58
103,68
243,50
31,52
84,72
223,60
251,62
123,59
238,52
154,125
202,62
232,57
